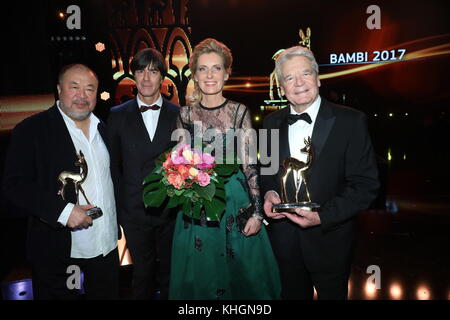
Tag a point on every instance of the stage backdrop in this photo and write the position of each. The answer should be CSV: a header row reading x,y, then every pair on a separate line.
x,y
389,59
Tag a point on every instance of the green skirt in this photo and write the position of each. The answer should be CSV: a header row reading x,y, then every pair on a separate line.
x,y
219,262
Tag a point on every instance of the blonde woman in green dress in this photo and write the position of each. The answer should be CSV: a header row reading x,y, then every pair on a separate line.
x,y
221,260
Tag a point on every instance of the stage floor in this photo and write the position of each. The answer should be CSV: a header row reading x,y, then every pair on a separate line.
x,y
408,241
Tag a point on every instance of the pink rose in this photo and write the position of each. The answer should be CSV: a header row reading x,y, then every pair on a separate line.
x,y
179,160
183,171
203,179
177,155
167,164
203,166
207,161
175,180
196,159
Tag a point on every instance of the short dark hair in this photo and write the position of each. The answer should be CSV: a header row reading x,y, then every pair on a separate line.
x,y
67,67
148,57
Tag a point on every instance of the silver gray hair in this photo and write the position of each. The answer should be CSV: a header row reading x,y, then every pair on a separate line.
x,y
290,53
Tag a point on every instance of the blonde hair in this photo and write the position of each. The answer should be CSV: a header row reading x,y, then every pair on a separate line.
x,y
207,46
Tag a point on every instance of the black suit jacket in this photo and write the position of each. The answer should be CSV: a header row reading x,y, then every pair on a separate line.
x,y
40,149
343,179
133,154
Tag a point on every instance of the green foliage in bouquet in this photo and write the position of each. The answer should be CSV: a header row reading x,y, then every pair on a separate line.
x,y
191,180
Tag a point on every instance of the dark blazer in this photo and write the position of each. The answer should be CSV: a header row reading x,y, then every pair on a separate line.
x,y
40,149
343,179
133,154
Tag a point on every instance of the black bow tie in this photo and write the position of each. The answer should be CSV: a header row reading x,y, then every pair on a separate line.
x,y
152,107
293,118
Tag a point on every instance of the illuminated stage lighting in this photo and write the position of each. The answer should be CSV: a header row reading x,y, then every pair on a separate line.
x,y
257,118
17,290
391,115
426,53
418,55
16,108
270,108
370,290
99,46
423,293
396,291
61,15
349,288
67,38
104,95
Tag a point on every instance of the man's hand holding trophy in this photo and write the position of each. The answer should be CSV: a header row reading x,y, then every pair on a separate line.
x,y
81,215
302,212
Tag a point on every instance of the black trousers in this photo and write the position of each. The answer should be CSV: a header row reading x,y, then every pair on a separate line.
x,y
298,283
297,280
58,280
150,248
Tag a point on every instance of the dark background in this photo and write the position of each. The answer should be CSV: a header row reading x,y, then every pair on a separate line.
x,y
417,174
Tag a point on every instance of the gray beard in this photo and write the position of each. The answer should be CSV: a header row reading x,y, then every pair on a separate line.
x,y
78,116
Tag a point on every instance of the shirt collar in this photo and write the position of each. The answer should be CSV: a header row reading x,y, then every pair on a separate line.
x,y
94,121
312,110
158,101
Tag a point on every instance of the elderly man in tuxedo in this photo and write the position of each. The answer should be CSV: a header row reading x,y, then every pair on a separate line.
x,y
313,247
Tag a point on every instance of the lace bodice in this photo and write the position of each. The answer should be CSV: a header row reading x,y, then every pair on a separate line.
x,y
225,128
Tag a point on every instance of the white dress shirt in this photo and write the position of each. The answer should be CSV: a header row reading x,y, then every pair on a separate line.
x,y
151,117
101,237
301,130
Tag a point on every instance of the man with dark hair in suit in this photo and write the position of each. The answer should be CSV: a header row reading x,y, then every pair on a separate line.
x,y
139,131
62,237
313,248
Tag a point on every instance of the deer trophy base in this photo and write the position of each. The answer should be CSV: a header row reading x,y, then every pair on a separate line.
x,y
94,213
290,207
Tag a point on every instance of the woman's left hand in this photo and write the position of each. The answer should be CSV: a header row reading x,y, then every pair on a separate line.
x,y
252,227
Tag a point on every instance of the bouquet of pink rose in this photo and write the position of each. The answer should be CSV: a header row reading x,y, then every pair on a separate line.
x,y
190,179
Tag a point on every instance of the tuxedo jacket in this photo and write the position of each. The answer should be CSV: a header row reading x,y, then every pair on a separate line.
x,y
40,149
343,179
133,156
